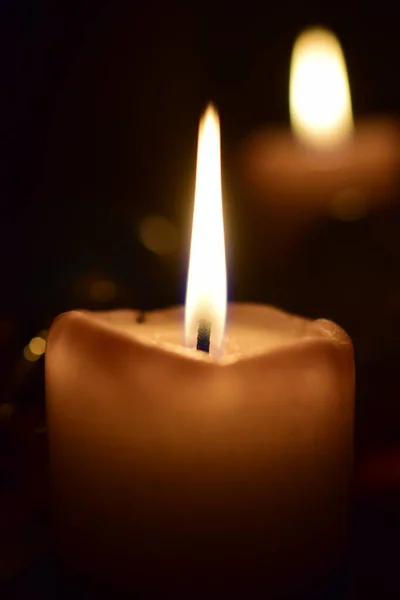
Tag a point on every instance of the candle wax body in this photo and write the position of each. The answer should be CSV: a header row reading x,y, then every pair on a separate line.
x,y
176,471
361,174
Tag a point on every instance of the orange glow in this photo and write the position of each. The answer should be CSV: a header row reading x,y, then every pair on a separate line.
x,y
320,102
206,295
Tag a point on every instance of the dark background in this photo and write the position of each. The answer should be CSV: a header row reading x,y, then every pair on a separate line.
x,y
100,116
99,113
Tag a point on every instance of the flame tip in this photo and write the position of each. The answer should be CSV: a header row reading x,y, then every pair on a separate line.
x,y
316,29
210,112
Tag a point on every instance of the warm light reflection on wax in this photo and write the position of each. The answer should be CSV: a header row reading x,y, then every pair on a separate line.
x,y
320,103
206,295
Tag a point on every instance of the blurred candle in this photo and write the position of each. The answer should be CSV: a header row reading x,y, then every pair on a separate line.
x,y
178,471
328,165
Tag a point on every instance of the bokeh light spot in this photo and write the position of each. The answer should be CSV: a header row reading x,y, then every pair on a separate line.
x,y
28,355
6,411
37,346
158,234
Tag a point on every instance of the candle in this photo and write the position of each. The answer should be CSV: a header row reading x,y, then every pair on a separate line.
x,y
191,461
328,166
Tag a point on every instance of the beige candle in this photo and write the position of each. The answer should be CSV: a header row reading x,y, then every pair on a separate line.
x,y
194,474
328,165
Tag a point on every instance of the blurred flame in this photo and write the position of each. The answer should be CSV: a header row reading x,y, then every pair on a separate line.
x,y
320,103
206,286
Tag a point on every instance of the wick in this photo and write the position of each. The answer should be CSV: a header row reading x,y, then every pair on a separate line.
x,y
203,336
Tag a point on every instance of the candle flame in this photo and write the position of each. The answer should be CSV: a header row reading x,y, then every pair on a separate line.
x,y
320,102
206,295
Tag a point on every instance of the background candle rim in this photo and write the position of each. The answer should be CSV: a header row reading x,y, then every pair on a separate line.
x,y
280,165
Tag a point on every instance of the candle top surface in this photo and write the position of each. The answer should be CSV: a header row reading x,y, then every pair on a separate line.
x,y
252,329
